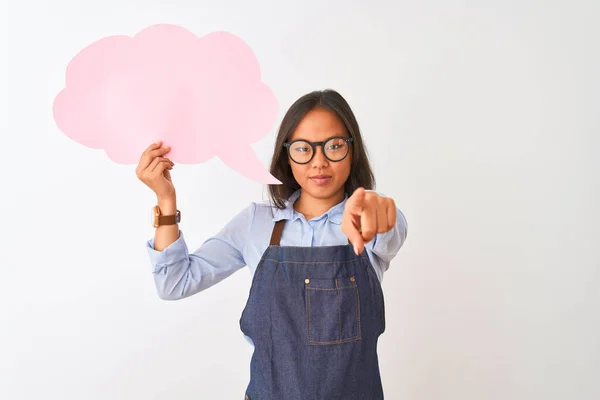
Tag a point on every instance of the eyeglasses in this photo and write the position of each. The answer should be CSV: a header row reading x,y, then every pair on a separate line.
x,y
335,149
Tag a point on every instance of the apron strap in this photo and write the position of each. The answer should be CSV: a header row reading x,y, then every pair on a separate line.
x,y
278,230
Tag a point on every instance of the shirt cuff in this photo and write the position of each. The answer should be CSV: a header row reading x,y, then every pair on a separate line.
x,y
172,254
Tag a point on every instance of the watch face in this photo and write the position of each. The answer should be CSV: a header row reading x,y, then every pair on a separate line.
x,y
155,214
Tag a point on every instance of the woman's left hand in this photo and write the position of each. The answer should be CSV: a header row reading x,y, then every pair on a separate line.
x,y
365,215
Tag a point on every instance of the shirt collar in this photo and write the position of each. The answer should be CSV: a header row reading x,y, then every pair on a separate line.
x,y
334,214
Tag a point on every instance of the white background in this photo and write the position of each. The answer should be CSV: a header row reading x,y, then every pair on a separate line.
x,y
481,118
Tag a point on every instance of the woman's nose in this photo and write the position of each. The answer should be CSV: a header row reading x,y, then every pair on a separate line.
x,y
319,157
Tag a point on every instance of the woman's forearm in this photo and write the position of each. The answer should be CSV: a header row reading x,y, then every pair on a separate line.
x,y
165,235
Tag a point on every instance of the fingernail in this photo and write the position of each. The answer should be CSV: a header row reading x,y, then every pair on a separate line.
x,y
355,250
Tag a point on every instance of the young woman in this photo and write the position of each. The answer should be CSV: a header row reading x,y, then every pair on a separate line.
x,y
317,252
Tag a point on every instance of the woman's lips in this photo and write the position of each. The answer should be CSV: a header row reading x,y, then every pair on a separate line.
x,y
321,179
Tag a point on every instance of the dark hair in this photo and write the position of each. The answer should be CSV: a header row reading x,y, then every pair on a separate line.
x,y
361,174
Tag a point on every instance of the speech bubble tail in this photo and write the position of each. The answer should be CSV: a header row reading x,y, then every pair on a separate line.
x,y
244,160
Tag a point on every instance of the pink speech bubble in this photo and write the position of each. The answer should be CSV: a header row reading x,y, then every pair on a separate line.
x,y
202,96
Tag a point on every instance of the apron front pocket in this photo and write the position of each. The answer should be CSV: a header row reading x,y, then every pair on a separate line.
x,y
332,310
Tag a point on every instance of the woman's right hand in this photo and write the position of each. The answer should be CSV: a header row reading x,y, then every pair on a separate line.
x,y
153,170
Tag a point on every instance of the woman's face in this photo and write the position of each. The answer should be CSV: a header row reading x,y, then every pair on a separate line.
x,y
321,178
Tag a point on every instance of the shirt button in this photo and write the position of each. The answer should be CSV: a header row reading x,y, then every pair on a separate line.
x,y
307,281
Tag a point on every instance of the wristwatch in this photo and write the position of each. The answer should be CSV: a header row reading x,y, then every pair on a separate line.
x,y
160,219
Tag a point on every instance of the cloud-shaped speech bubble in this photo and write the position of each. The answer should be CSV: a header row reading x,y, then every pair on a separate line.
x,y
200,95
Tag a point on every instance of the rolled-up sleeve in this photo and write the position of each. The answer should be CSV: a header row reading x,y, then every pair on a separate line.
x,y
175,253
179,274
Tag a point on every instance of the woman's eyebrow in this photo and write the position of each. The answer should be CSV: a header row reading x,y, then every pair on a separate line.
x,y
329,137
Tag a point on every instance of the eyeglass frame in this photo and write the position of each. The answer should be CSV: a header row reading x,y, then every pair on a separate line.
x,y
313,145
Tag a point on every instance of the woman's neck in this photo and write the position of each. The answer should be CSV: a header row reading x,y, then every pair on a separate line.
x,y
312,207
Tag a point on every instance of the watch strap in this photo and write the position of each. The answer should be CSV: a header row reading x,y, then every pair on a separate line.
x,y
168,219
160,219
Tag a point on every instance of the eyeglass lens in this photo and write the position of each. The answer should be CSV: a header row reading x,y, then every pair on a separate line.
x,y
335,149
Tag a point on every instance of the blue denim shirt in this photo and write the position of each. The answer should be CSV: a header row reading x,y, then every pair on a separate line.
x,y
242,242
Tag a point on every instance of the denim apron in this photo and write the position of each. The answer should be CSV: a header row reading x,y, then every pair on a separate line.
x,y
315,315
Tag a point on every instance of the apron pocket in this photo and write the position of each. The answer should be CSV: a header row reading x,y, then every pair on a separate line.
x,y
332,310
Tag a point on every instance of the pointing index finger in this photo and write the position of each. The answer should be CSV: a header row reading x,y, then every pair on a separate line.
x,y
352,219
353,233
